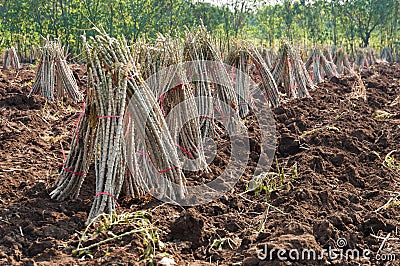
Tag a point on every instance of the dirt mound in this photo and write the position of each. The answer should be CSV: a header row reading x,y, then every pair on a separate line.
x,y
335,151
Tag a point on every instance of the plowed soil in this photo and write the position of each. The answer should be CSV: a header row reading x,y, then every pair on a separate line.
x,y
340,156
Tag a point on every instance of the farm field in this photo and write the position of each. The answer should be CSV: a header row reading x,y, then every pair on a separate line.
x,y
200,132
337,177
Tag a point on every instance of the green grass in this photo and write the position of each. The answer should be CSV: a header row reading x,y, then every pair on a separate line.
x,y
135,223
266,183
391,162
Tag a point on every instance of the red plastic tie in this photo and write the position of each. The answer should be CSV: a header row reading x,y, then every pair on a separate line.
x,y
167,170
127,121
195,149
179,86
185,151
66,169
110,195
143,153
109,116
265,96
160,101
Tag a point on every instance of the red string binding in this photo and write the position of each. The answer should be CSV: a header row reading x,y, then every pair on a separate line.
x,y
109,116
66,169
167,170
110,195
143,153
185,151
160,101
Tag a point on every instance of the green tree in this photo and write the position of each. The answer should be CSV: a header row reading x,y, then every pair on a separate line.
x,y
366,15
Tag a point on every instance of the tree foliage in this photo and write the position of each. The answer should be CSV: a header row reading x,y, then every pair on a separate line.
x,y
340,22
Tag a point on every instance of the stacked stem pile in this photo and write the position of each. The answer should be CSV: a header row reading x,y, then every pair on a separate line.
x,y
102,132
199,47
322,65
247,59
11,59
341,60
290,71
386,55
361,60
163,67
54,78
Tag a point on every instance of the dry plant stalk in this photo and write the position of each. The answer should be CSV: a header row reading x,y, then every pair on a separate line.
x,y
322,65
247,59
290,71
11,59
54,78
199,47
361,59
386,55
359,90
341,60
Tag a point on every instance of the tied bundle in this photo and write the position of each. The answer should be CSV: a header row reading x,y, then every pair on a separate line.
x,y
290,71
54,79
11,59
361,60
213,82
247,59
322,65
166,75
341,60
386,55
120,124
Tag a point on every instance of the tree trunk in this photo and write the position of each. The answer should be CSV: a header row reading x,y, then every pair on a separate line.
x,y
334,24
394,25
111,20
